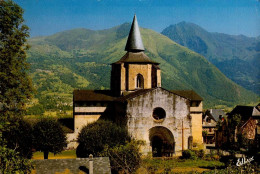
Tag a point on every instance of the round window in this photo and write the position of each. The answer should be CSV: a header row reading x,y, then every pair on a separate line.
x,y
159,113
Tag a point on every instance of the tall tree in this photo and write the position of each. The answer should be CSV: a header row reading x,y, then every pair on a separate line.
x,y
15,83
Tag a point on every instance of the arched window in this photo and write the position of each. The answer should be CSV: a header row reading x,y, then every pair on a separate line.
x,y
139,81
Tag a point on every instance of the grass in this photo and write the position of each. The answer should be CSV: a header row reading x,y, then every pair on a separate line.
x,y
68,154
153,165
175,165
52,114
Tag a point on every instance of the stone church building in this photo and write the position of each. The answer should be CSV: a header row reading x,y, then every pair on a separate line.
x,y
169,121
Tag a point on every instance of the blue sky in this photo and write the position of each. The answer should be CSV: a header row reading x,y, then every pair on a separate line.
x,y
46,17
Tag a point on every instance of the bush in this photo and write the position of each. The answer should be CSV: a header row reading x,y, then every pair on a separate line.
x,y
95,136
199,153
125,158
12,162
48,136
189,154
35,110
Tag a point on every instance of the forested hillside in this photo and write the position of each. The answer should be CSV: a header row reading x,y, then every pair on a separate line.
x,y
81,58
236,56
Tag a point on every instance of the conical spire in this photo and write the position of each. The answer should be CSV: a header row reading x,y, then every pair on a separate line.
x,y
134,41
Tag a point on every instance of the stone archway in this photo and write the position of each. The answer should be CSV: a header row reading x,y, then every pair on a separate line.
x,y
162,141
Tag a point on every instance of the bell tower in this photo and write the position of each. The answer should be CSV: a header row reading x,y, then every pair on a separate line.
x,y
134,70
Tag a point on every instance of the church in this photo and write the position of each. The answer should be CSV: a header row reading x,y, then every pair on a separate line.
x,y
168,121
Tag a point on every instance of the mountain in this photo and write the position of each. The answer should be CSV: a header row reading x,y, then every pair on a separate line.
x,y
81,58
236,56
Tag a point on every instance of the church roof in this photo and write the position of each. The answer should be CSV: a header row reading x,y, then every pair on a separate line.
x,y
189,94
130,95
92,95
134,41
135,57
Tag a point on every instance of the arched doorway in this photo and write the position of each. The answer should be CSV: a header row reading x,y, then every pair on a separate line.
x,y
162,141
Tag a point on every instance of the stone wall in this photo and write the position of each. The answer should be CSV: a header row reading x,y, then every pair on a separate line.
x,y
140,119
101,165
145,70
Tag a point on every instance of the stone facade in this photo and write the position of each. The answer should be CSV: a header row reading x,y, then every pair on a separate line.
x,y
167,121
140,120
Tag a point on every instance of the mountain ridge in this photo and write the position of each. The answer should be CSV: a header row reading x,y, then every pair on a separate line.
x,y
235,55
63,62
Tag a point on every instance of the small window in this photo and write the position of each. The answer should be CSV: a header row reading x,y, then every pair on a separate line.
x,y
139,81
159,113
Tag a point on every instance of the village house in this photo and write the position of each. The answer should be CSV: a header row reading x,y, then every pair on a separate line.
x,y
168,121
209,122
248,127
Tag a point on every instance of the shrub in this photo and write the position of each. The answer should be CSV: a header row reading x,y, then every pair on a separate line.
x,y
48,136
189,154
95,136
199,153
125,158
12,162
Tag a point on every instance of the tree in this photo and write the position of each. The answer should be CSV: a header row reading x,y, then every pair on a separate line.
x,y
48,136
95,136
19,137
15,84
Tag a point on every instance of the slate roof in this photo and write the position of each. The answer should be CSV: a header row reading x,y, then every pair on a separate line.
x,y
92,95
245,111
215,113
256,111
134,42
189,94
106,95
135,57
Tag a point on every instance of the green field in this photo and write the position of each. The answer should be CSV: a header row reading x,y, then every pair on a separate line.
x,y
63,155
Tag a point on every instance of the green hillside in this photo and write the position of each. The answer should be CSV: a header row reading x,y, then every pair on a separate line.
x,y
81,59
235,56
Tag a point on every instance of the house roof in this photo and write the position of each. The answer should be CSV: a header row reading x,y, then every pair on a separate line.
x,y
92,95
245,111
189,94
256,111
215,113
135,57
134,42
